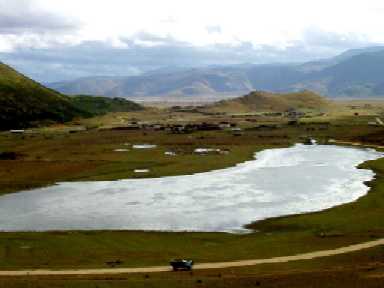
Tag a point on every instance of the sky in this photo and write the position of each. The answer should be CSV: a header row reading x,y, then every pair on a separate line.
x,y
65,39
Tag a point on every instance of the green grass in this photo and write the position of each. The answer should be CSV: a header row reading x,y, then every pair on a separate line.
x,y
103,105
360,269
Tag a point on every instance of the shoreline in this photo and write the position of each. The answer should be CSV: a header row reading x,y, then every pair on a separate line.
x,y
245,156
245,229
366,183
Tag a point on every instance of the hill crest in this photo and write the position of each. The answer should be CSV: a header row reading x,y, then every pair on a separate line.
x,y
274,102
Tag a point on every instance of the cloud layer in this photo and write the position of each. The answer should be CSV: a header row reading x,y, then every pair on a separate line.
x,y
145,52
26,17
71,38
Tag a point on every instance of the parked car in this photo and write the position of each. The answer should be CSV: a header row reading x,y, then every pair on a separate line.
x,y
181,264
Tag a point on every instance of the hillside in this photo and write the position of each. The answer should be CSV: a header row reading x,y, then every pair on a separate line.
x,y
266,101
102,105
24,102
354,73
357,76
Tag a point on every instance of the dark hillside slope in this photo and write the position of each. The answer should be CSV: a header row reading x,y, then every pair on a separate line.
x,y
361,74
102,105
24,102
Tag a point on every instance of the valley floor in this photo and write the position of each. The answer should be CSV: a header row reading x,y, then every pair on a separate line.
x,y
52,155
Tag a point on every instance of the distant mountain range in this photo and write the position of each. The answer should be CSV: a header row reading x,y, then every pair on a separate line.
x,y
356,73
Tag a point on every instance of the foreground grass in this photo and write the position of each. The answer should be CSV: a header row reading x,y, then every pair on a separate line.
x,y
360,269
93,249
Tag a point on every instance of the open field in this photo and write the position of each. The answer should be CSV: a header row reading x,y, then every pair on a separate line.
x,y
359,269
199,266
54,154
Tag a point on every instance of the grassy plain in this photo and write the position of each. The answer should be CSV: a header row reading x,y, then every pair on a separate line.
x,y
361,269
90,155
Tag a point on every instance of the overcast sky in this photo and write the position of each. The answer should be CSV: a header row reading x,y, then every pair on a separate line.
x,y
64,39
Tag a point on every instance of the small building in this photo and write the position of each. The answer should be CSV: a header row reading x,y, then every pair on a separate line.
x,y
141,171
293,113
205,151
225,125
127,127
17,131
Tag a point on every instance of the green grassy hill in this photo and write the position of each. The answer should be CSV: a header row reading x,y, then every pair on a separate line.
x,y
103,105
25,103
276,102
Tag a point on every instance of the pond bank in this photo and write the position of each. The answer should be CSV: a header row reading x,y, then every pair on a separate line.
x,y
274,184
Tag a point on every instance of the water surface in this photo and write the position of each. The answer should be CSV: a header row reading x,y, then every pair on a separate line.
x,y
279,182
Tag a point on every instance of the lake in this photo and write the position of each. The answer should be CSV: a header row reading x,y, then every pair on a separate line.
x,y
278,182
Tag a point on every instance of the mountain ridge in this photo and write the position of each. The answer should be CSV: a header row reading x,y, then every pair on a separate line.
x,y
320,76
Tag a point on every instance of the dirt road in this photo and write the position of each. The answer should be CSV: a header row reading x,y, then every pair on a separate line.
x,y
218,265
356,144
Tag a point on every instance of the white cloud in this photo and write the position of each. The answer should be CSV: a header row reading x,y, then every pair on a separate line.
x,y
27,23
273,22
236,31
28,17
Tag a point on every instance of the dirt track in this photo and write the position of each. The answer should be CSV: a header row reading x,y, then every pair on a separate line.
x,y
218,265
356,144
